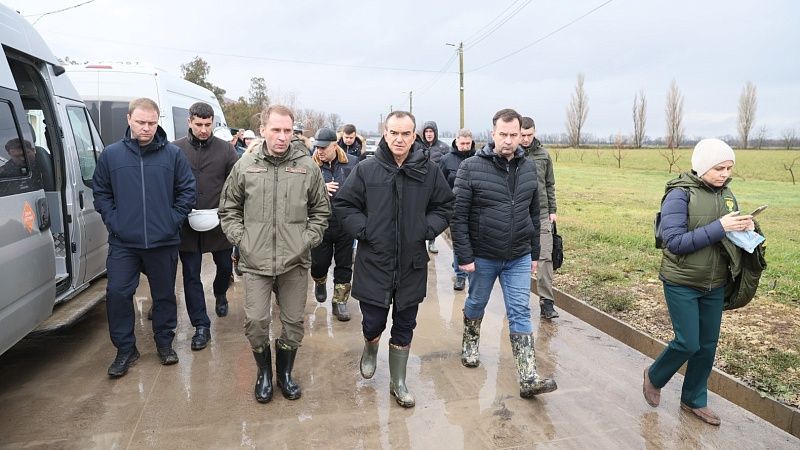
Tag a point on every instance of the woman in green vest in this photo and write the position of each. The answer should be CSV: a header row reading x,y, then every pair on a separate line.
x,y
698,209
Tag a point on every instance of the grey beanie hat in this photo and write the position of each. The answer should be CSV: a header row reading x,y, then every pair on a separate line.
x,y
710,152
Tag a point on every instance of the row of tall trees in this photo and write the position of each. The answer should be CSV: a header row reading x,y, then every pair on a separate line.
x,y
578,108
244,112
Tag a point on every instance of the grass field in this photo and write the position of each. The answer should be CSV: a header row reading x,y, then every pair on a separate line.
x,y
606,214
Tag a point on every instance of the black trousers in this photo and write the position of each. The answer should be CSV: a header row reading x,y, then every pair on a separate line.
x,y
338,245
193,287
124,265
403,323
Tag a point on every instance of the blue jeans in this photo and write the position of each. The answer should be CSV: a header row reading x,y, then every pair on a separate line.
x,y
515,280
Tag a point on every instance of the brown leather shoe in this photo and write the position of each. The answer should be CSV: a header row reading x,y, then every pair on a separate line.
x,y
652,395
705,414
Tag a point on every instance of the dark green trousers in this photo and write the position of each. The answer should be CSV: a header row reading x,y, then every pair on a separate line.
x,y
696,317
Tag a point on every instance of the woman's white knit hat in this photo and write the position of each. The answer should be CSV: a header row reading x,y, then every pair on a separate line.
x,y
710,152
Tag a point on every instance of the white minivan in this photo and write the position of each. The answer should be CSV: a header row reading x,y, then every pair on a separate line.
x,y
108,87
53,243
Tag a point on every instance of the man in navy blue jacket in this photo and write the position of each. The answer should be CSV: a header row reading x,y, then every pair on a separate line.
x,y
144,189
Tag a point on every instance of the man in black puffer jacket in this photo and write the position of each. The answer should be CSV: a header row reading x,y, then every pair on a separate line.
x,y
392,203
496,234
463,148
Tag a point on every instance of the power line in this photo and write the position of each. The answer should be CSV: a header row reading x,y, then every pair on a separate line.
x,y
542,38
56,11
259,58
499,24
489,24
438,76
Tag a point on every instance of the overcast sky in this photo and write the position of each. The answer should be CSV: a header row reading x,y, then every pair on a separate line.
x,y
711,48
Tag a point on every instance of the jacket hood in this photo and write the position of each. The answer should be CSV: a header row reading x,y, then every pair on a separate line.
x,y
488,152
689,179
455,149
430,125
414,166
535,147
296,150
158,142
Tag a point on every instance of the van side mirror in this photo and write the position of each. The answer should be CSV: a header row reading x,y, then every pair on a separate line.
x,y
58,70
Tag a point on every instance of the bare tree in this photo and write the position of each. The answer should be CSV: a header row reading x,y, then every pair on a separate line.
x,y
672,156
312,120
790,167
619,144
789,135
576,113
747,112
334,121
762,136
556,151
674,116
639,118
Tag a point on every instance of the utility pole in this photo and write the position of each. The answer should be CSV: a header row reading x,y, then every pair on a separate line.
x,y
410,102
460,50
461,79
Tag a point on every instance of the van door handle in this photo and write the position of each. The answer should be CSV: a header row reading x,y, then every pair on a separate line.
x,y
80,199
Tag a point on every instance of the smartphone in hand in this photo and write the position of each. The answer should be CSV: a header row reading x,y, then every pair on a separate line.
x,y
758,210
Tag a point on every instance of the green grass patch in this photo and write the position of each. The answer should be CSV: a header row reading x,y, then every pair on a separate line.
x,y
774,372
606,213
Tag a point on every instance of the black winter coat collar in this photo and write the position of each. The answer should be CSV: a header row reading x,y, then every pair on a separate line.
x,y
413,167
488,152
199,143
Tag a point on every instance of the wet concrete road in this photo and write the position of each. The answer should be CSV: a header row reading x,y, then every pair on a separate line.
x,y
54,392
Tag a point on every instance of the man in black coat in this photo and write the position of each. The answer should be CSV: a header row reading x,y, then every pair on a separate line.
x,y
392,204
463,148
211,159
496,235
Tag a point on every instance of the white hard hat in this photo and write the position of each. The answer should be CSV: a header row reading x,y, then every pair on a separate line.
x,y
248,134
203,219
223,133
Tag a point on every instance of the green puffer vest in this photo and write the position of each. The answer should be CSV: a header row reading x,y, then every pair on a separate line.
x,y
707,268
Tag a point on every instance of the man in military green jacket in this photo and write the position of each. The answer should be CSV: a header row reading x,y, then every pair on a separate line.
x,y
547,215
274,206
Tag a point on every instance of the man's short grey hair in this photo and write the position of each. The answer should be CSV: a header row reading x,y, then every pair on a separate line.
x,y
464,132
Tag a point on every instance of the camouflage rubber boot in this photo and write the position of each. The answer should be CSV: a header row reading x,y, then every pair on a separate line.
x,y
341,293
470,356
530,383
320,291
398,361
369,358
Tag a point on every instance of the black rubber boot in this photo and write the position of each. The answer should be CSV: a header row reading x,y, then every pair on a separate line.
x,y
546,309
320,291
284,362
263,389
221,307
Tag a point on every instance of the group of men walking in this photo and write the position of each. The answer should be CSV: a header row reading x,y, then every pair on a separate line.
x,y
288,212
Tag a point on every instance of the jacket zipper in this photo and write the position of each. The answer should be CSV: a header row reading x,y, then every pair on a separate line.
x,y
513,208
144,198
715,255
396,273
275,226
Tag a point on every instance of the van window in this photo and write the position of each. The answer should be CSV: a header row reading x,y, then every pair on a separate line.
x,y
180,121
87,151
15,152
111,118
